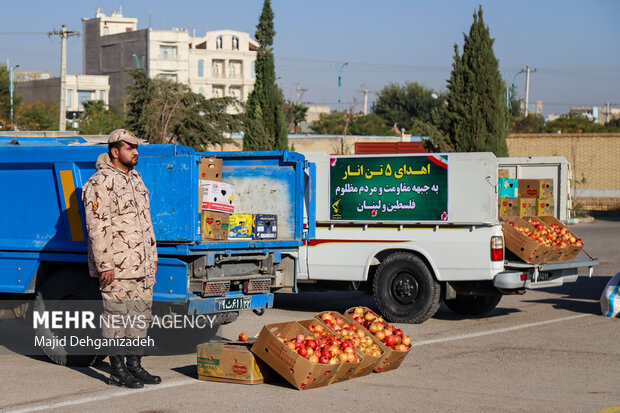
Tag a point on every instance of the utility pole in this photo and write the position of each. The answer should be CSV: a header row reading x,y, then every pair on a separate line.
x,y
12,90
365,101
64,34
340,81
607,114
527,87
300,91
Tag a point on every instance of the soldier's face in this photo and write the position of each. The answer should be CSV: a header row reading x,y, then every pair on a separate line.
x,y
128,154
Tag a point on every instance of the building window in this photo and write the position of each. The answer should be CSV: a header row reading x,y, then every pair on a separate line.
x,y
218,68
219,42
218,91
168,52
235,43
68,103
83,96
234,69
201,91
102,96
201,68
235,92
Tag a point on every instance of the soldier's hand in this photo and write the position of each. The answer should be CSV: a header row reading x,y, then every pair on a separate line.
x,y
106,277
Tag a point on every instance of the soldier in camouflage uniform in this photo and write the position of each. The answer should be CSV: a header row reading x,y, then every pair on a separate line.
x,y
122,251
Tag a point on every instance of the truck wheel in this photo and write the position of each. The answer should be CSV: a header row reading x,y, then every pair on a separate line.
x,y
59,293
405,290
473,304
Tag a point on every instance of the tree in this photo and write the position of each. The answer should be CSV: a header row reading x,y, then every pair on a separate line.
x,y
532,123
573,123
266,127
97,120
294,115
477,116
404,105
349,123
163,111
37,116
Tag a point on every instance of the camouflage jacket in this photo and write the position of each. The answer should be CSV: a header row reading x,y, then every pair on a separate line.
x,y
118,222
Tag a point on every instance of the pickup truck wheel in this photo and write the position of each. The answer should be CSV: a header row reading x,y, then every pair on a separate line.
x,y
60,292
405,290
473,304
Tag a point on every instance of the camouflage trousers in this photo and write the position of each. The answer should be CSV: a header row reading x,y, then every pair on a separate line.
x,y
127,308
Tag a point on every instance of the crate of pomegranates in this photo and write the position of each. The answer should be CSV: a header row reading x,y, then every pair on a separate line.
x,y
393,342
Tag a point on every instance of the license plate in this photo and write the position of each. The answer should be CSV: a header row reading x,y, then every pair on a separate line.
x,y
233,303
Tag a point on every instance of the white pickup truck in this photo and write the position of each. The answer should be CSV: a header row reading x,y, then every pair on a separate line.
x,y
416,230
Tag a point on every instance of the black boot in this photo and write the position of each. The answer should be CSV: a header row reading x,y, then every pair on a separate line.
x,y
136,369
120,376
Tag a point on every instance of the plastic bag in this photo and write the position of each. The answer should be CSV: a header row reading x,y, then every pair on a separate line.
x,y
610,299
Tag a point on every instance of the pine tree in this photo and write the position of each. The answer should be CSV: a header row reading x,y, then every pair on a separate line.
x,y
265,127
477,117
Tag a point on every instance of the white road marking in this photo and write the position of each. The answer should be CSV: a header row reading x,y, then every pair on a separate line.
x,y
105,396
182,382
497,331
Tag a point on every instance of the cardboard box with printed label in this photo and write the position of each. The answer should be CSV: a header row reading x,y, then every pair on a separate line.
x,y
507,188
346,370
265,226
210,169
240,226
217,196
508,207
231,362
527,206
213,225
503,173
536,188
297,370
545,207
520,244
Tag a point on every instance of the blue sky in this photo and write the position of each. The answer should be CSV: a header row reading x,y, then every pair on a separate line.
x,y
574,45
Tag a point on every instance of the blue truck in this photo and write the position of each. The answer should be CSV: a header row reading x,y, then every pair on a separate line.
x,y
43,249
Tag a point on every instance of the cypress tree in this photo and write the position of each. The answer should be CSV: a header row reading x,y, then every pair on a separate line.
x,y
477,117
266,126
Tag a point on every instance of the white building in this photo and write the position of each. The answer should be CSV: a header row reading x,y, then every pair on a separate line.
x,y
220,63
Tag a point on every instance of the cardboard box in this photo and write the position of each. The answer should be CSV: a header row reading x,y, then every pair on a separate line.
x,y
527,206
507,188
295,369
571,251
536,188
507,207
213,225
265,226
555,253
210,169
345,369
391,359
217,196
368,362
240,226
503,173
521,245
545,207
231,362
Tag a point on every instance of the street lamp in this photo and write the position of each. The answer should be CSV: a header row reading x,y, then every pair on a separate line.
x,y
512,90
340,81
11,90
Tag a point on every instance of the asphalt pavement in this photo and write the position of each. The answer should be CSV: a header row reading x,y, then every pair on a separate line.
x,y
549,350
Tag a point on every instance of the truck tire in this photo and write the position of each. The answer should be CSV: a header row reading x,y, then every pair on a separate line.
x,y
405,290
62,286
473,304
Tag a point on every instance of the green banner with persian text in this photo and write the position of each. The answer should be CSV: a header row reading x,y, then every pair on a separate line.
x,y
389,188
